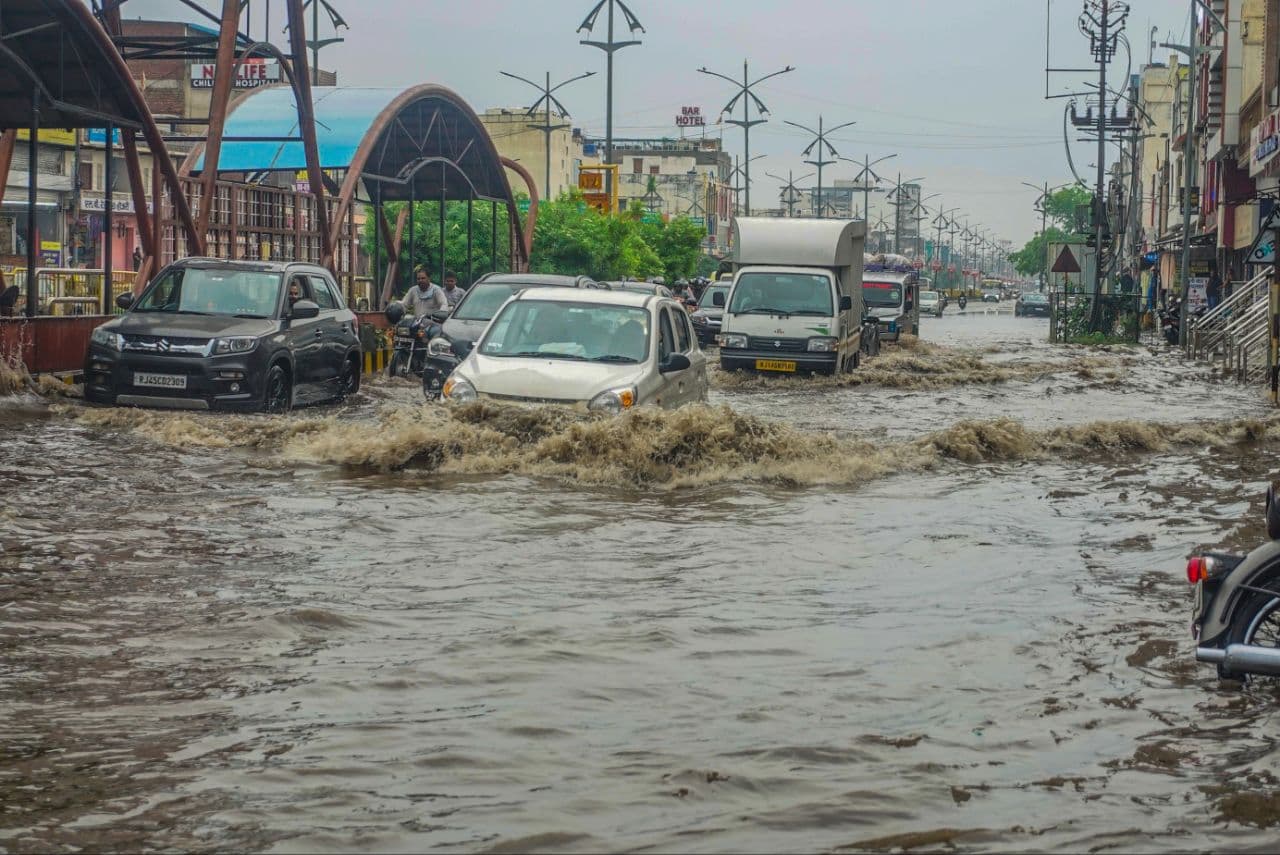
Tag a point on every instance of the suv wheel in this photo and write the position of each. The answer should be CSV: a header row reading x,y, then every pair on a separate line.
x,y
349,379
279,391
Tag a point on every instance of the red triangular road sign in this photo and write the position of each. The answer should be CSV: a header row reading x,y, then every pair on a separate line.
x,y
1066,262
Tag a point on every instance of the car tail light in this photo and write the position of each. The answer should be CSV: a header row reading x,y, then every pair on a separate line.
x,y
1197,569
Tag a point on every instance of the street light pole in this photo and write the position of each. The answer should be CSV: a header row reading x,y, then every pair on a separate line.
x,y
865,177
789,187
548,98
610,47
746,123
820,142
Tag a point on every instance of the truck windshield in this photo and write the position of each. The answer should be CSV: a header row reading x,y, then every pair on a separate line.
x,y
882,293
197,291
783,294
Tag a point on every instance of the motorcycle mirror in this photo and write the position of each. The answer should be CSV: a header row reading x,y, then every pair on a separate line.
x,y
1273,514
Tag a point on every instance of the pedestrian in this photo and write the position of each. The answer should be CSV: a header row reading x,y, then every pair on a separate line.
x,y
137,259
424,298
8,301
452,292
1213,291
1126,282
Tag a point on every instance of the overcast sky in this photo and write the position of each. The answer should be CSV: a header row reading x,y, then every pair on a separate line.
x,y
956,90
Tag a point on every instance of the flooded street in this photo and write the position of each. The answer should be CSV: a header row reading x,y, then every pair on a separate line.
x,y
940,607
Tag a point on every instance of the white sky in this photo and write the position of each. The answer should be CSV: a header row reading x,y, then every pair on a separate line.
x,y
955,89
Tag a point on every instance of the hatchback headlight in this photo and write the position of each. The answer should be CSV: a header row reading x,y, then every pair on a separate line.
x,y
440,347
733,340
235,344
613,401
822,345
458,391
108,338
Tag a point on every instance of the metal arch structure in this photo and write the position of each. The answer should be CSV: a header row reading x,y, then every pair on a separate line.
x,y
423,143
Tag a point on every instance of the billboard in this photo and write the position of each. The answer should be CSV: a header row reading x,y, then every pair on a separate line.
x,y
252,74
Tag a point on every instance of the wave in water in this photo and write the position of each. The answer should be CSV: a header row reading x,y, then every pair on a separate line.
x,y
688,447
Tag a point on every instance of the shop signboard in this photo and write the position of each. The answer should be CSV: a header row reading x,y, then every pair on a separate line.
x,y
1264,143
690,117
120,203
50,253
1198,294
51,136
253,73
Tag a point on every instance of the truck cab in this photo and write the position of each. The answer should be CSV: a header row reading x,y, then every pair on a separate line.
x,y
795,305
891,290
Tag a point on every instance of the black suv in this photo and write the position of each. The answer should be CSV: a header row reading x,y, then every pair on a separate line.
x,y
461,329
209,333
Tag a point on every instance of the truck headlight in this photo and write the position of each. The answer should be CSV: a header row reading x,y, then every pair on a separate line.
x,y
822,345
613,401
235,344
733,341
440,346
458,391
108,338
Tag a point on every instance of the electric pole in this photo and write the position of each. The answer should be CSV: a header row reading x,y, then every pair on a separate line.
x,y
820,142
610,47
548,98
747,97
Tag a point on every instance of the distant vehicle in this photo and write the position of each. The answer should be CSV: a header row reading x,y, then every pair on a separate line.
x,y
653,288
1032,304
706,320
890,287
603,351
991,296
931,303
796,301
459,330
214,334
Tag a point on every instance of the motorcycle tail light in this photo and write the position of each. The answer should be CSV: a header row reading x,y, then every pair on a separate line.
x,y
1197,569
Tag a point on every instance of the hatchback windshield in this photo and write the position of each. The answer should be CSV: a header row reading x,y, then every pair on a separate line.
x,y
708,300
782,294
928,296
554,329
197,291
882,293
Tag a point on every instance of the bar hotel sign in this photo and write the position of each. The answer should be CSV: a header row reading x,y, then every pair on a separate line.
x,y
690,117
254,72
1265,144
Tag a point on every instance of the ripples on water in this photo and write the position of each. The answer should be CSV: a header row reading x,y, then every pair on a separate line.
x,y
941,615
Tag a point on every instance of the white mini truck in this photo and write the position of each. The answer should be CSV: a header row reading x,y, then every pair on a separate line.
x,y
796,301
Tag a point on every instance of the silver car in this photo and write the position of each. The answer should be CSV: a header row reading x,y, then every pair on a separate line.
x,y
604,351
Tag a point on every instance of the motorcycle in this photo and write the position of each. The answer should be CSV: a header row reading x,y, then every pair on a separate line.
x,y
1171,322
409,344
1236,616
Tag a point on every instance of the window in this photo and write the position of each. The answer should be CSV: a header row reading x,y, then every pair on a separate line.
x,y
637,165
682,329
653,170
324,297
666,340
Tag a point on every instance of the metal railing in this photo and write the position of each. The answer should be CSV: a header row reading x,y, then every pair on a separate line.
x,y
1071,317
76,291
1207,333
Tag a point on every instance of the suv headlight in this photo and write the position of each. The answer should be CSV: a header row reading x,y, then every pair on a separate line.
x,y
235,344
108,338
440,346
613,401
699,320
733,340
822,345
458,391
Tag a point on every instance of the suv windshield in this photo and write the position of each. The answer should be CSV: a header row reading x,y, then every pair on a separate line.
x,y
200,291
553,329
882,293
783,294
485,298
708,296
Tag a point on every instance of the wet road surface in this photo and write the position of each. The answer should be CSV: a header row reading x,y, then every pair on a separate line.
x,y
938,608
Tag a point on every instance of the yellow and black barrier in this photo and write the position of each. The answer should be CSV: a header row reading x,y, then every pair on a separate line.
x,y
376,361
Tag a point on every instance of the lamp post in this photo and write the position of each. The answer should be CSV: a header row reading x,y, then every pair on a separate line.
x,y
820,142
548,98
789,189
747,97
610,47
920,211
897,211
865,176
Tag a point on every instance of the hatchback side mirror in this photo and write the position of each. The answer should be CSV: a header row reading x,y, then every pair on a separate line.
x,y
124,300
675,362
717,299
846,303
304,310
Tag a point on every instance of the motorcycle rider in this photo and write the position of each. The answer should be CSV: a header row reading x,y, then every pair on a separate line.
x,y
424,298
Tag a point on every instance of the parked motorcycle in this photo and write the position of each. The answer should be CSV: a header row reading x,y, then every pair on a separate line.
x,y
409,344
1171,322
1236,616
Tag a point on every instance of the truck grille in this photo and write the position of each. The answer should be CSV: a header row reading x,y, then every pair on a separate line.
x,y
781,345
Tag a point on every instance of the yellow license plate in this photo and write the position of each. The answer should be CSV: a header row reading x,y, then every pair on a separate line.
x,y
774,365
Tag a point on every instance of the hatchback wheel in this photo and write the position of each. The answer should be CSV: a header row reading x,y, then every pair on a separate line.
x,y
279,391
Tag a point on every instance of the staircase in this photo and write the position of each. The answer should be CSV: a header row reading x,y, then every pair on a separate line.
x,y
1234,333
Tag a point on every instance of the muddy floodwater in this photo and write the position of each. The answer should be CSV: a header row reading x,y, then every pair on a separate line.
x,y
936,606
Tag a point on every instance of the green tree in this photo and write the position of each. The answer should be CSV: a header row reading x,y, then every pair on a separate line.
x,y
1062,206
426,244
1032,260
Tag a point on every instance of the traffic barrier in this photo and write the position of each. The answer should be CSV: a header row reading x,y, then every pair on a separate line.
x,y
375,362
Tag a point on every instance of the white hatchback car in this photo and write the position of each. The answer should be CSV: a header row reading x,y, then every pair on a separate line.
x,y
605,351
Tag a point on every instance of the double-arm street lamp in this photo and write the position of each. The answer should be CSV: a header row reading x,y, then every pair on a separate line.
x,y
747,97
865,176
548,98
820,143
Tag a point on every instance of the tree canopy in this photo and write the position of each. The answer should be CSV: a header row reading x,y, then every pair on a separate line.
x,y
1062,210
